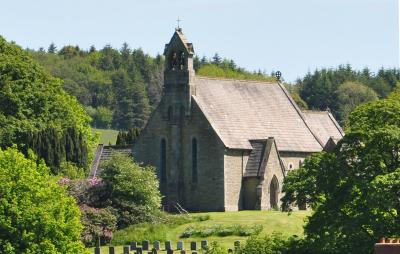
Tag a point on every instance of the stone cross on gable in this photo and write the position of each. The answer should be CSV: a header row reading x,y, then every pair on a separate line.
x,y
178,20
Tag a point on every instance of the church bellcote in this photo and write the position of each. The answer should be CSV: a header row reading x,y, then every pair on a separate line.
x,y
179,72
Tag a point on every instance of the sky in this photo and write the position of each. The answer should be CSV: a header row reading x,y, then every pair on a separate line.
x,y
291,36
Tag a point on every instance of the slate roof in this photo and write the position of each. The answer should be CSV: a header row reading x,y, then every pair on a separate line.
x,y
323,125
103,153
255,158
259,156
240,111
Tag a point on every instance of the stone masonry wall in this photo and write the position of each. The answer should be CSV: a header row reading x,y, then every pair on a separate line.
x,y
234,164
292,158
273,168
208,193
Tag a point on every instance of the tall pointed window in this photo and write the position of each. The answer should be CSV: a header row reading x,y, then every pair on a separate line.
x,y
163,161
194,160
170,113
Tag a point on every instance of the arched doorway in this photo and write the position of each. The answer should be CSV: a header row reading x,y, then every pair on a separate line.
x,y
273,193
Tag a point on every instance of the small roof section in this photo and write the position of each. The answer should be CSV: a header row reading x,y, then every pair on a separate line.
x,y
242,110
324,125
179,38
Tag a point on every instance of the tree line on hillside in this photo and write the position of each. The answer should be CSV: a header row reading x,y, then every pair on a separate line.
x,y
36,113
120,87
341,89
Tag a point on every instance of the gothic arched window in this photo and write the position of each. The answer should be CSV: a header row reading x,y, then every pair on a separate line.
x,y
182,114
194,160
273,193
170,113
163,161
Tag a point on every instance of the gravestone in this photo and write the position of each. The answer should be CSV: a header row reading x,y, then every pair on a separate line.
x,y
194,252
126,249
180,245
138,250
204,244
183,252
97,250
111,250
156,245
193,245
145,245
168,245
154,251
133,245
237,245
170,251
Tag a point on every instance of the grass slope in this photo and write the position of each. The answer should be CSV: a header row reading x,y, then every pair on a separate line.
x,y
272,221
106,136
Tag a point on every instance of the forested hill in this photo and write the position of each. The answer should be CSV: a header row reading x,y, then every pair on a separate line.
x,y
343,88
120,87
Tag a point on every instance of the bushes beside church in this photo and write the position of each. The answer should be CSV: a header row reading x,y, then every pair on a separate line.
x,y
126,194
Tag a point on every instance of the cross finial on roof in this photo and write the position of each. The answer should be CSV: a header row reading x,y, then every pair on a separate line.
x,y
178,20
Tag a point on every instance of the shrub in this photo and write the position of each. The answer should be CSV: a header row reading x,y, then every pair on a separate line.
x,y
99,225
215,248
275,244
36,214
70,170
132,190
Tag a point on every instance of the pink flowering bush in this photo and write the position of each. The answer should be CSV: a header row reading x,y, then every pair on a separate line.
x,y
99,224
64,181
95,181
97,218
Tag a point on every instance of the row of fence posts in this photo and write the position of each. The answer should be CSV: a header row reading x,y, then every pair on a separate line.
x,y
134,247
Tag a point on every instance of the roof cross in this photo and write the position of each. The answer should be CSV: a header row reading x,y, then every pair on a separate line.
x,y
178,20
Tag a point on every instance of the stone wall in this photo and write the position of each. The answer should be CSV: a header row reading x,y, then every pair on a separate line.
x,y
234,164
208,193
292,159
250,197
273,168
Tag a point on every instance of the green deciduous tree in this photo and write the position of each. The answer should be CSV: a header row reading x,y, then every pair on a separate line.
x,y
36,215
36,112
354,190
352,94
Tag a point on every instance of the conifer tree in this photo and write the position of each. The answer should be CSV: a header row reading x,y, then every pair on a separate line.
x,y
52,48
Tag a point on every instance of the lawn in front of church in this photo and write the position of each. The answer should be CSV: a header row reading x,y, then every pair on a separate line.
x,y
272,221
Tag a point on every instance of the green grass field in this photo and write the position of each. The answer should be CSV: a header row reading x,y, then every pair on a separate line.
x,y
272,221
106,136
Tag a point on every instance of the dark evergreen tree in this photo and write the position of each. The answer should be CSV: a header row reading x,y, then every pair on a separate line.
x,y
52,48
92,49
216,59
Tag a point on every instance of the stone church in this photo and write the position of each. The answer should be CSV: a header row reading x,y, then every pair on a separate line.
x,y
226,145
